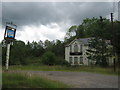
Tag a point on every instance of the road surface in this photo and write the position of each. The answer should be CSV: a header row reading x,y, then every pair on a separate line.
x,y
79,79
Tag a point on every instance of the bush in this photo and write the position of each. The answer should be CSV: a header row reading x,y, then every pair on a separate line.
x,y
63,62
49,58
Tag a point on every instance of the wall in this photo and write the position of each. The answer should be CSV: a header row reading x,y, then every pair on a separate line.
x,y
67,51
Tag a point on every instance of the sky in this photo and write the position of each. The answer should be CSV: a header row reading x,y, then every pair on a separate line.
x,y
50,20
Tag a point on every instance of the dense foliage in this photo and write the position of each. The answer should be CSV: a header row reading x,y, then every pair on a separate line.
x,y
103,32
49,58
47,51
32,53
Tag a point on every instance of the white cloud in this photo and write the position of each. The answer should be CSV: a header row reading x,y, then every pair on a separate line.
x,y
58,0
51,32
1,34
51,22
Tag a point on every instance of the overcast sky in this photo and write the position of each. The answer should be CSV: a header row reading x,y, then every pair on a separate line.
x,y
50,20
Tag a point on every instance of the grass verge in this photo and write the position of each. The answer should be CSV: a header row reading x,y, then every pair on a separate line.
x,y
19,80
100,70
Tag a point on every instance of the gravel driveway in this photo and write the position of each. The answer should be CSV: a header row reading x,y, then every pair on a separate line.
x,y
80,79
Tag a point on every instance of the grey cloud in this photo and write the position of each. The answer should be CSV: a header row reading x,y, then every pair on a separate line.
x,y
89,10
0,14
29,13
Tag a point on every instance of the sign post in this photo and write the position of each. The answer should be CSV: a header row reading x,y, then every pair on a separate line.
x,y
9,36
7,55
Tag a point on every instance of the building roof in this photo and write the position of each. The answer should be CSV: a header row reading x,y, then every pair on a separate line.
x,y
83,40
86,41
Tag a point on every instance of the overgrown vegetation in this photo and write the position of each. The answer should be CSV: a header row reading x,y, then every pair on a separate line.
x,y
35,53
45,52
102,31
94,69
18,80
49,58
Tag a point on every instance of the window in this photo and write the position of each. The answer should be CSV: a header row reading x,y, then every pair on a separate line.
x,y
70,60
81,60
89,46
75,48
81,48
70,48
76,60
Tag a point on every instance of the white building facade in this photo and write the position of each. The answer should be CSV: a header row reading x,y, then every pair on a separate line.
x,y
75,52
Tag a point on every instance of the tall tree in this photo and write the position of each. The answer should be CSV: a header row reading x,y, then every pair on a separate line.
x,y
99,49
80,33
71,34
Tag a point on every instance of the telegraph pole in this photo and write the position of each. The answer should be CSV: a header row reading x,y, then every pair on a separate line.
x,y
113,42
101,20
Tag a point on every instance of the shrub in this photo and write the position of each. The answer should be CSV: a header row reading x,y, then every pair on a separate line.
x,y
48,58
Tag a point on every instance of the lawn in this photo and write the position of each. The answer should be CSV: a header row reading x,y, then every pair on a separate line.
x,y
95,69
19,80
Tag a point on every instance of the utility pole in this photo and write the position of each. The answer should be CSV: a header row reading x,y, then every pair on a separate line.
x,y
101,20
113,42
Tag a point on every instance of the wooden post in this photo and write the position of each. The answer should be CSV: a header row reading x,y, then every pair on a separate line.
x,y
113,42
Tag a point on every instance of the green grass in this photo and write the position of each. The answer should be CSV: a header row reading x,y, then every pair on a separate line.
x,y
18,80
100,70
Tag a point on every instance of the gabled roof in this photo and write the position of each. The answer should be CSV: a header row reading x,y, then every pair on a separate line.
x,y
86,41
71,42
83,40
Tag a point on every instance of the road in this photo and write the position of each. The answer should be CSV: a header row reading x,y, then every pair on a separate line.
x,y
79,79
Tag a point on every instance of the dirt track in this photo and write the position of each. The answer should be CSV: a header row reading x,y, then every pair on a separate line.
x,y
80,79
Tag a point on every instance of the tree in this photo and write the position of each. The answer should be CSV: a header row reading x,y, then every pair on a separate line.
x,y
71,34
18,53
99,49
80,33
49,58
58,48
37,48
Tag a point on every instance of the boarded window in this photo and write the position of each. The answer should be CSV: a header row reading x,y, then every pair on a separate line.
x,y
81,48
75,48
70,48
81,60
70,60
76,60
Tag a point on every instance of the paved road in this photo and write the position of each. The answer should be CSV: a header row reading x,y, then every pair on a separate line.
x,y
80,79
